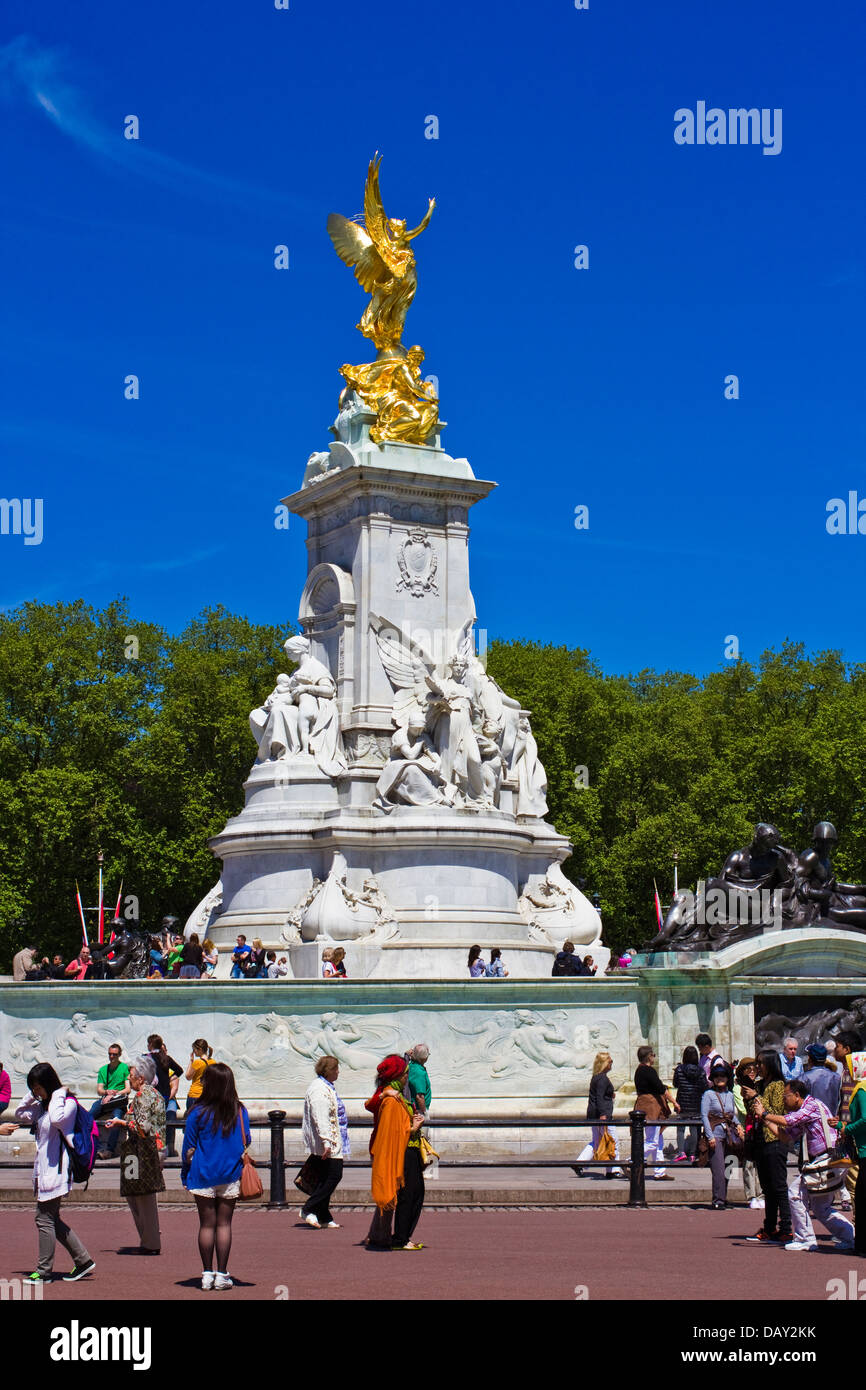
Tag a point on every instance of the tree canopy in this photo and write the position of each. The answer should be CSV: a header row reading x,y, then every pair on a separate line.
x,y
141,747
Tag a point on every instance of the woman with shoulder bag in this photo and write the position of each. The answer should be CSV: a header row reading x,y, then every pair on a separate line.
x,y
599,1109
141,1153
723,1134
215,1139
655,1101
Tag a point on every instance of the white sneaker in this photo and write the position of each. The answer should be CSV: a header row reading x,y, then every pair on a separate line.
x,y
207,1279
801,1245
757,1202
223,1281
335,1226
313,1221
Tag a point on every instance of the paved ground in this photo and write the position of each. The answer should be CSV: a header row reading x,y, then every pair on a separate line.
x,y
675,1253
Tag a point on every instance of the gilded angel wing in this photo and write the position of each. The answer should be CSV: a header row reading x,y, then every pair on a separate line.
x,y
355,248
377,224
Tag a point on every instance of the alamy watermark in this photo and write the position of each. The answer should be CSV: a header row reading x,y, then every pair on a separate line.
x,y
21,1290
735,126
846,516
22,516
721,907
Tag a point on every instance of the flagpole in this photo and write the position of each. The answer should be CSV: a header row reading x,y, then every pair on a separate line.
x,y
81,913
99,859
117,909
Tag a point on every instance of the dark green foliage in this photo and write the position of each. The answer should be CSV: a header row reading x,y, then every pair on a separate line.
x,y
676,763
146,757
141,756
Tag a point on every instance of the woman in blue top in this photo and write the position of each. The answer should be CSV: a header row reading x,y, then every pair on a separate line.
x,y
496,970
476,963
216,1134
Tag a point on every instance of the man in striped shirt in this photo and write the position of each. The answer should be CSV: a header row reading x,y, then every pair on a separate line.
x,y
807,1116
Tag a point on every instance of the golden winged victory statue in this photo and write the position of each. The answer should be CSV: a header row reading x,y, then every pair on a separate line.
x,y
406,407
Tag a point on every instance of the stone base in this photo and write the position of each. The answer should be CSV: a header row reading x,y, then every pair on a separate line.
x,y
422,960
508,1048
452,879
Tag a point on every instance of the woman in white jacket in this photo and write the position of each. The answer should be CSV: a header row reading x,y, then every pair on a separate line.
x,y
326,1134
50,1109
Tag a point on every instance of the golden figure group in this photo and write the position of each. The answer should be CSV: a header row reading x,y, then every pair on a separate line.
x,y
406,407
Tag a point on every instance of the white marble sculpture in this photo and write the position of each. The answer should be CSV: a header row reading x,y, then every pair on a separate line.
x,y
202,917
531,777
331,911
413,774
559,909
458,735
299,719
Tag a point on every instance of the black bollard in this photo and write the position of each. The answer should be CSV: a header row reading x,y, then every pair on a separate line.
x,y
637,1175
277,1120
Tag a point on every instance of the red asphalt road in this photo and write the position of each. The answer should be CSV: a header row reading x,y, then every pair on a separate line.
x,y
672,1253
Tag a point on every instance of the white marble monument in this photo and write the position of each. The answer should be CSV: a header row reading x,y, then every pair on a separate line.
x,y
397,801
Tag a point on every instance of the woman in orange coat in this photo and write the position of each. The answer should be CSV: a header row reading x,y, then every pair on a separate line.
x,y
395,1126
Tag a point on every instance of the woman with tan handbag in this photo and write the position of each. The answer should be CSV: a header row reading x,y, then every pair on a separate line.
x,y
656,1102
599,1109
215,1139
141,1152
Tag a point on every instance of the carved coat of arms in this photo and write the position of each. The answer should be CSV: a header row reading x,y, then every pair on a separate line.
x,y
417,563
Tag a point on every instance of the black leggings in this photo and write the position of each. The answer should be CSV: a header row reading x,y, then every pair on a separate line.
x,y
772,1164
215,1231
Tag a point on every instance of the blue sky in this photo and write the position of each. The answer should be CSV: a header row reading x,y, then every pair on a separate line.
x,y
602,387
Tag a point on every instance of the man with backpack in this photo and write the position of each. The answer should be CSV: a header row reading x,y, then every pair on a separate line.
x,y
566,962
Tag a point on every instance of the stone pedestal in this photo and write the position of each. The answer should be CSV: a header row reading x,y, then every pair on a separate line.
x,y
388,572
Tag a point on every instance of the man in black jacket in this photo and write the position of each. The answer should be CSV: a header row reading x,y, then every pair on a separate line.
x,y
567,963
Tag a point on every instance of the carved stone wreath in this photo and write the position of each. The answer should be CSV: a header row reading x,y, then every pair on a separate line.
x,y
417,563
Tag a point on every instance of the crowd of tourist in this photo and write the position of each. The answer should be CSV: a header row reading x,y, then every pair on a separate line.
x,y
131,1114
170,957
757,1111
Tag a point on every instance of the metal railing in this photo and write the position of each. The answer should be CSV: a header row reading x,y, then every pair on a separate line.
x,y
278,1121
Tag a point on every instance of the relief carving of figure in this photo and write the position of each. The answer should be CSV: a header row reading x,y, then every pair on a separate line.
x,y
331,911
532,1040
337,1037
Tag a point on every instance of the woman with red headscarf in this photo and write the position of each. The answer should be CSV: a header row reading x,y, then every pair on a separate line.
x,y
398,1179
